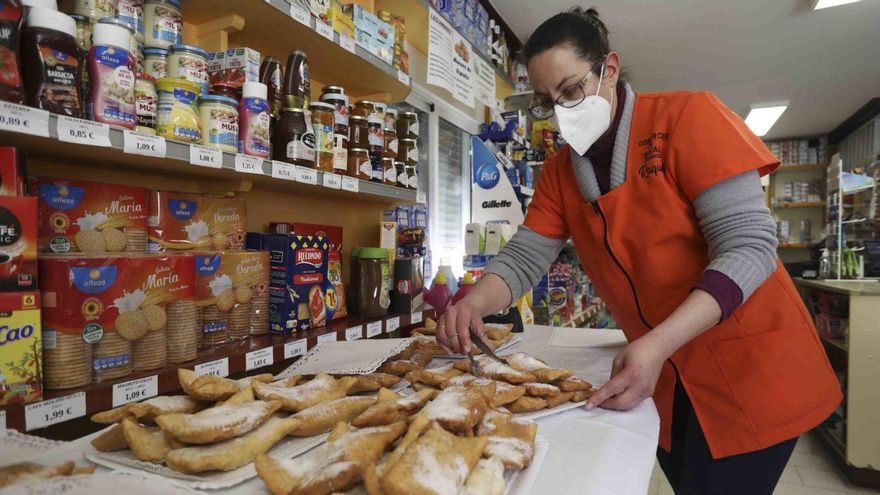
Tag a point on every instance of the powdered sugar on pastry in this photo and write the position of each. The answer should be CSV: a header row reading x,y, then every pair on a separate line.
x,y
511,451
441,479
449,404
170,403
523,361
217,423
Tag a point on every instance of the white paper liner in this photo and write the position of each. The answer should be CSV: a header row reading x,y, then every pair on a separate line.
x,y
543,413
515,339
520,482
355,357
113,482
586,337
212,480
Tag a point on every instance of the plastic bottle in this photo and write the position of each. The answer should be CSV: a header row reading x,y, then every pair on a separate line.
x,y
112,77
270,75
467,285
52,63
439,296
446,268
253,114
297,81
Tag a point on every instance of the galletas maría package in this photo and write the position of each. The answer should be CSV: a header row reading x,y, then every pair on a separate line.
x,y
21,348
18,244
187,222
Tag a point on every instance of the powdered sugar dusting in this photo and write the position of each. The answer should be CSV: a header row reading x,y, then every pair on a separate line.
x,y
491,367
171,403
317,385
511,451
449,404
437,478
524,361
543,386
240,417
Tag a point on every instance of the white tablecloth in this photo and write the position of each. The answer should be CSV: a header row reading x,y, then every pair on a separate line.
x,y
591,452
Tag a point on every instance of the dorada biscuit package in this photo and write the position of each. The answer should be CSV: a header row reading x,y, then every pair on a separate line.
x,y
89,217
231,291
21,348
18,243
190,222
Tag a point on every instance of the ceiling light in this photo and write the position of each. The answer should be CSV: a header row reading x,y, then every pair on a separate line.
x,y
824,4
762,117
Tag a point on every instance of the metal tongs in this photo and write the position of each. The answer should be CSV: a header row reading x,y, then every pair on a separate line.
x,y
477,341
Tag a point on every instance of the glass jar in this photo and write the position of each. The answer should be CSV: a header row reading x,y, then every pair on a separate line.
x,y
359,164
322,123
226,89
373,289
178,112
140,57
156,62
375,138
413,177
408,151
380,111
402,174
190,63
390,146
391,118
132,13
389,173
219,116
378,175
95,9
340,126
292,141
408,125
363,108
358,132
338,90
163,23
146,99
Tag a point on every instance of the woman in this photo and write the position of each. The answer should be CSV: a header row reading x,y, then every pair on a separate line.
x,y
661,195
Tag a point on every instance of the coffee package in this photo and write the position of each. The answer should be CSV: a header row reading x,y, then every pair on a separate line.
x,y
18,243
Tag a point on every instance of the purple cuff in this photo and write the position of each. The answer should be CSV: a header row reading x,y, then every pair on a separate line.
x,y
723,289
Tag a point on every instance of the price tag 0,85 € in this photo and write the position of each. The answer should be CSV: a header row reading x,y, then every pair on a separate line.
x,y
72,130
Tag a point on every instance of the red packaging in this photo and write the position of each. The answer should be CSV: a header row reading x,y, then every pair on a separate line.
x,y
232,295
10,172
18,243
186,222
90,217
21,348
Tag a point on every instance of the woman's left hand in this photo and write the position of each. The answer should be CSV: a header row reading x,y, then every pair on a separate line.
x,y
634,375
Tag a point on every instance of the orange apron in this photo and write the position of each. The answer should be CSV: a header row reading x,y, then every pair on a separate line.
x,y
759,377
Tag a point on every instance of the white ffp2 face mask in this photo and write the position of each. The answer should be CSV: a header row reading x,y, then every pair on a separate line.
x,y
584,123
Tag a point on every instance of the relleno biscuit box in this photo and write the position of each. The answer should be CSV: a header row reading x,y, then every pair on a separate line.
x,y
187,222
89,217
21,348
18,243
231,290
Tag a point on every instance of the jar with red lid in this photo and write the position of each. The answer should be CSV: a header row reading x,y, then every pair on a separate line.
x,y
322,124
358,132
226,89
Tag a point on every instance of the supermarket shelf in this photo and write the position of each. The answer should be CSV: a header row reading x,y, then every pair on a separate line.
x,y
804,167
270,29
99,397
807,204
793,245
177,162
535,164
586,315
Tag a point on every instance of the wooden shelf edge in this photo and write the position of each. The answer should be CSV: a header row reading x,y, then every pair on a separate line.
x,y
99,395
805,204
804,167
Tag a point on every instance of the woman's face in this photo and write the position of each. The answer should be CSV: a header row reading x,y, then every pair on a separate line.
x,y
557,73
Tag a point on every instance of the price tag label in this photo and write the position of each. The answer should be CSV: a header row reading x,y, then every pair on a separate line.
x,y
354,333
248,164
307,175
346,42
324,29
135,390
139,143
2,423
350,184
295,348
219,367
374,329
54,411
392,324
403,77
327,337
72,130
27,120
333,181
421,198
301,15
205,156
281,170
259,359
415,317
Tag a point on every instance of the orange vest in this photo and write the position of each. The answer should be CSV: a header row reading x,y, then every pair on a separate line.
x,y
759,377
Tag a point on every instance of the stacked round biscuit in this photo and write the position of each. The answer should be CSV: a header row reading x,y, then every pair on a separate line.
x,y
66,360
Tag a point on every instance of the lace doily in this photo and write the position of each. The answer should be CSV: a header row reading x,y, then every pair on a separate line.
x,y
115,482
356,357
15,446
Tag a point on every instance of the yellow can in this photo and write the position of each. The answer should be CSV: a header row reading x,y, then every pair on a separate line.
x,y
178,112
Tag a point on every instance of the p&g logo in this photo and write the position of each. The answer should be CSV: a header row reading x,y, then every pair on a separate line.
x,y
487,175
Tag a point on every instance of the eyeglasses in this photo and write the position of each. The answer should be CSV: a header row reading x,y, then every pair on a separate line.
x,y
542,108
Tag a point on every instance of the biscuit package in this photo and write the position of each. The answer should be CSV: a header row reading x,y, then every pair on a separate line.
x,y
18,243
190,222
21,348
231,291
90,217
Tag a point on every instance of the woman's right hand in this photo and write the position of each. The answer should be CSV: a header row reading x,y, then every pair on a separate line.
x,y
452,328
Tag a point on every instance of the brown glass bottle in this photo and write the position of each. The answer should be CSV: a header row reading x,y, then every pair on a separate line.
x,y
52,63
297,83
270,75
291,140
11,17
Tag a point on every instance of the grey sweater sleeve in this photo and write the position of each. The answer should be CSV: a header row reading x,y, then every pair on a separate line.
x,y
524,260
739,231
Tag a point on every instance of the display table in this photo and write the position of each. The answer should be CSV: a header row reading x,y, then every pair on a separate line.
x,y
590,452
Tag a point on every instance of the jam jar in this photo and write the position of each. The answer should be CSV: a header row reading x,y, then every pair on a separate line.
x,y
322,124
391,118
363,108
359,164
373,287
408,151
337,90
358,132
391,145
340,136
402,174
292,141
389,172
375,138
408,125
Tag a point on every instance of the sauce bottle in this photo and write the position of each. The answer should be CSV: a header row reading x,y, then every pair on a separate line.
x,y
11,17
253,110
297,83
52,63
467,285
439,296
270,75
112,76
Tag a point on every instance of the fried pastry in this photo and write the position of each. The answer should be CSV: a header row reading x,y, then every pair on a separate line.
x,y
84,470
262,378
490,368
322,417
230,454
486,386
206,387
320,389
242,396
582,395
458,409
574,384
487,478
218,423
111,440
559,399
498,331
148,410
511,439
371,382
290,381
438,463
392,407
115,415
544,390
527,404
400,367
29,471
433,377
544,373
147,444
418,387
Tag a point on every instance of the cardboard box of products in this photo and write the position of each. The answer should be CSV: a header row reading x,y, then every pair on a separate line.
x,y
232,294
341,23
18,243
11,172
186,222
21,352
234,66
371,33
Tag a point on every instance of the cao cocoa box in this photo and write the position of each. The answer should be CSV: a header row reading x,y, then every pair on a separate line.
x,y
190,222
18,243
231,291
82,301
89,217
21,348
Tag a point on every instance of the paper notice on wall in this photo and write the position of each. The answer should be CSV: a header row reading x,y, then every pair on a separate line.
x,y
450,59
484,82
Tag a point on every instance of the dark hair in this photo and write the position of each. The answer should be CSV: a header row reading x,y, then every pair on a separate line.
x,y
581,29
